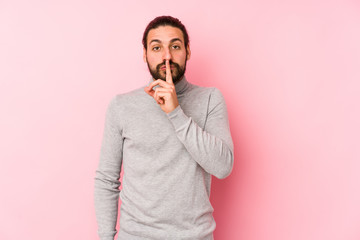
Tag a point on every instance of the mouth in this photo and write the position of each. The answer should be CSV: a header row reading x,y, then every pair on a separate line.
x,y
164,68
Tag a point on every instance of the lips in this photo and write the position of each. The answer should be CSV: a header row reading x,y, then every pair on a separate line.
x,y
163,68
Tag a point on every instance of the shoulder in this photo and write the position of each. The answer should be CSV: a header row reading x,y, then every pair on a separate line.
x,y
130,95
120,104
122,99
200,91
213,93
216,94
216,99
119,100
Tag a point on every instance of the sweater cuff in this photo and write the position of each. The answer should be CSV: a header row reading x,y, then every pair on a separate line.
x,y
177,117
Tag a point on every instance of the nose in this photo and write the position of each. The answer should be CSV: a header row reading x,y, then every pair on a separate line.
x,y
167,54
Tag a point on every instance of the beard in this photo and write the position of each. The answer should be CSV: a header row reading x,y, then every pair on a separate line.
x,y
177,73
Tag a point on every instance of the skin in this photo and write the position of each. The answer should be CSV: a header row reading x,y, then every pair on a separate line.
x,y
165,43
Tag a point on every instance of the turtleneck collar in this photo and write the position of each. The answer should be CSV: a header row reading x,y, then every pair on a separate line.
x,y
180,86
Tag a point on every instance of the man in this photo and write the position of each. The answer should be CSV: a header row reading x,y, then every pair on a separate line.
x,y
170,137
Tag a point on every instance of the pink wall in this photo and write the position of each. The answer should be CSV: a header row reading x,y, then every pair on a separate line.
x,y
290,75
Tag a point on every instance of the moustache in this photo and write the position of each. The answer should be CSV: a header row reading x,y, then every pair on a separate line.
x,y
164,65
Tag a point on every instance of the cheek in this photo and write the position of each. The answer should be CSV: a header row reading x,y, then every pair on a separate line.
x,y
152,60
182,56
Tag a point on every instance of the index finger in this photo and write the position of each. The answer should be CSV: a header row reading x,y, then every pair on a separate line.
x,y
168,72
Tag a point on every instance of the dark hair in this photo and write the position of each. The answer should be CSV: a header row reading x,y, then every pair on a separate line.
x,y
165,21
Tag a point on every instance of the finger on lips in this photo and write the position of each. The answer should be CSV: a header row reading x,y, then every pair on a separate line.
x,y
168,72
166,87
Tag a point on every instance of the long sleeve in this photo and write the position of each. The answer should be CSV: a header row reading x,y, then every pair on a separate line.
x,y
107,175
211,147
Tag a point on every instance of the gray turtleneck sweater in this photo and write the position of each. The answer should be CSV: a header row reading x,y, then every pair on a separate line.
x,y
167,159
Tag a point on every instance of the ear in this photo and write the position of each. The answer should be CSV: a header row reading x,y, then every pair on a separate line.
x,y
188,52
144,54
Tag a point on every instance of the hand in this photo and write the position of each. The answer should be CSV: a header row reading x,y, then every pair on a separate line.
x,y
165,95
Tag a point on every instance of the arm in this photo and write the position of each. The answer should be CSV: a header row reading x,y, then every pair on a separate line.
x,y
107,175
211,147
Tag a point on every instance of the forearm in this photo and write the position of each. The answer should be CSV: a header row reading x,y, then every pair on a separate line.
x,y
106,199
211,149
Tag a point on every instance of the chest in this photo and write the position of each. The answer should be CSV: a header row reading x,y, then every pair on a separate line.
x,y
149,129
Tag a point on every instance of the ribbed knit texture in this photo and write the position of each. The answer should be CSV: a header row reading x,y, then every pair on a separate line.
x,y
168,160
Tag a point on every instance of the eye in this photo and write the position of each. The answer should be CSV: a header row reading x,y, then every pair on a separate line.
x,y
156,48
176,47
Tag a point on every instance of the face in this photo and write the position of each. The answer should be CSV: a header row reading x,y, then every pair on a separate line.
x,y
166,43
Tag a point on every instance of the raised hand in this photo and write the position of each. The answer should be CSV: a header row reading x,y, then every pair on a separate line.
x,y
165,95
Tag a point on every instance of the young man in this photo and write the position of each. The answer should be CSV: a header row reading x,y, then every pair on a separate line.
x,y
170,136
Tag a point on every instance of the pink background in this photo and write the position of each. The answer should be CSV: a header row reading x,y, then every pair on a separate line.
x,y
289,71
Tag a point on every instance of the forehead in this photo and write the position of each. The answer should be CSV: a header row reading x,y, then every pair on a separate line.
x,y
165,34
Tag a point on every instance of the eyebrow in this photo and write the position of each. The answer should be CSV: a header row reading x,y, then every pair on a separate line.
x,y
171,41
